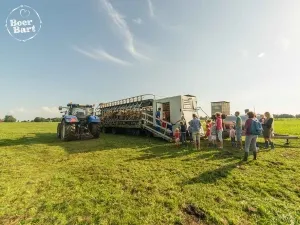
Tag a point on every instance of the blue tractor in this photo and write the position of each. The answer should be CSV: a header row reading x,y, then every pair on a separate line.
x,y
77,122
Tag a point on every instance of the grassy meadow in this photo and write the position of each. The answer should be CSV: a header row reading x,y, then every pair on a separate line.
x,y
121,179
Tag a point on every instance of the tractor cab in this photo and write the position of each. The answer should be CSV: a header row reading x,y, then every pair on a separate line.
x,y
82,112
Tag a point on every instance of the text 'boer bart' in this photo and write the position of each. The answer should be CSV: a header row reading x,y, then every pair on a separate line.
x,y
24,26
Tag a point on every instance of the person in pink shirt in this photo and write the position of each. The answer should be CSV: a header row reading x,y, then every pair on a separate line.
x,y
219,126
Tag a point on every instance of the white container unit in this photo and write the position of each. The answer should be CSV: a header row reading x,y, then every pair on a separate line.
x,y
176,109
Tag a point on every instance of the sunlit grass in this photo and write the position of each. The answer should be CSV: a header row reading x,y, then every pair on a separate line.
x,y
135,180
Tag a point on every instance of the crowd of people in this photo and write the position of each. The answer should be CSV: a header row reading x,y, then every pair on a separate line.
x,y
252,128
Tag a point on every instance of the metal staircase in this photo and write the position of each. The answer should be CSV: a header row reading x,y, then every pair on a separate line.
x,y
150,127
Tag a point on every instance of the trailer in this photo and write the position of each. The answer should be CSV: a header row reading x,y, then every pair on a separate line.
x,y
222,107
137,115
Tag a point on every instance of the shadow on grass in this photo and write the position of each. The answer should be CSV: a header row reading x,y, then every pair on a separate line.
x,y
229,159
105,142
170,151
226,154
167,151
212,176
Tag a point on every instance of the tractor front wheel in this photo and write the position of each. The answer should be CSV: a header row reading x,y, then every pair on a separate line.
x,y
95,130
68,131
58,130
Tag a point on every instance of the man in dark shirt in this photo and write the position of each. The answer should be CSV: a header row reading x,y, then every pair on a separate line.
x,y
183,130
268,129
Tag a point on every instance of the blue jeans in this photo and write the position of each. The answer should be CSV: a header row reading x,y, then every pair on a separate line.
x,y
183,137
233,141
159,124
239,134
250,142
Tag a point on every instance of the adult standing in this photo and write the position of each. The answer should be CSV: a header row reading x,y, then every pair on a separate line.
x,y
239,130
195,128
250,139
157,116
183,129
219,128
268,127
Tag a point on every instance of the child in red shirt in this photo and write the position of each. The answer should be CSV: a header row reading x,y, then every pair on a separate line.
x,y
208,131
177,136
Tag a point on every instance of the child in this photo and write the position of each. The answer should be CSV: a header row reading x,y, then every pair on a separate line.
x,y
213,134
232,136
177,136
183,133
208,132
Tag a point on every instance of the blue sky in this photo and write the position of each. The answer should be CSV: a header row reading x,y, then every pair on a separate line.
x,y
245,52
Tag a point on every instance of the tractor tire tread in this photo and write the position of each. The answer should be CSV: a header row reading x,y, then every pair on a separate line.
x,y
95,130
70,133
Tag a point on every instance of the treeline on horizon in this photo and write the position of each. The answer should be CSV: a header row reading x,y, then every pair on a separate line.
x,y
9,118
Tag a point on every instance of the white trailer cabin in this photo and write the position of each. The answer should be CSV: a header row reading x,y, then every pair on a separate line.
x,y
176,109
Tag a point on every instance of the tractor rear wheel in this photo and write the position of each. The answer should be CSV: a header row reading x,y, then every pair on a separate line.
x,y
58,130
68,131
95,129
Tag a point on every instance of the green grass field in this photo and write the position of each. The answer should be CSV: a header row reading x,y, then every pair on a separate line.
x,y
134,180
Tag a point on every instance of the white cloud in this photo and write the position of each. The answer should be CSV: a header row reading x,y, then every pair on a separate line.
x,y
17,110
176,28
282,43
119,21
47,112
109,57
101,55
50,109
244,53
137,21
20,109
151,11
285,43
261,55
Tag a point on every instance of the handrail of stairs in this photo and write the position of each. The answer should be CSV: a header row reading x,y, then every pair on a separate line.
x,y
147,121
